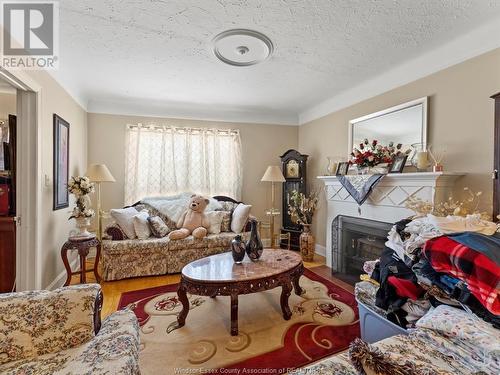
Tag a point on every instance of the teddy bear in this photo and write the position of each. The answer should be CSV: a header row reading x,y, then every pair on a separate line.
x,y
193,220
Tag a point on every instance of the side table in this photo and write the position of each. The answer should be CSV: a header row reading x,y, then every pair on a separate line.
x,y
83,245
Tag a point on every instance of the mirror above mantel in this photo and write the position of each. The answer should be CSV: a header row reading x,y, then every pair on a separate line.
x,y
405,123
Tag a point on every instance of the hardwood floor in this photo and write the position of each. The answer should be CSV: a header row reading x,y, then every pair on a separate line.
x,y
112,290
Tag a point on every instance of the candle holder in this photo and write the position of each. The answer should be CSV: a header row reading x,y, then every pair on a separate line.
x,y
421,156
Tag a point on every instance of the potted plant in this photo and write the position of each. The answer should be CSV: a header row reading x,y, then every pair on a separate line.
x,y
81,187
301,209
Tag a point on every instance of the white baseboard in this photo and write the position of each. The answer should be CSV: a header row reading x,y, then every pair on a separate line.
x,y
61,278
320,250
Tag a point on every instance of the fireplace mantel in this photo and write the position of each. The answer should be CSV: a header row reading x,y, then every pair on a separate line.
x,y
387,201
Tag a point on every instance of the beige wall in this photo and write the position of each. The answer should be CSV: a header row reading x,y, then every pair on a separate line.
x,y
460,117
261,146
7,105
56,227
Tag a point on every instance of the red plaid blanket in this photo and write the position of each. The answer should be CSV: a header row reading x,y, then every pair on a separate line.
x,y
480,273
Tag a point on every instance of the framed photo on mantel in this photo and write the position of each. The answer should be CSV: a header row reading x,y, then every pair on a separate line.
x,y
61,162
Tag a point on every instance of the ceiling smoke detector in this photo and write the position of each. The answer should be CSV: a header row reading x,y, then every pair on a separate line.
x,y
241,47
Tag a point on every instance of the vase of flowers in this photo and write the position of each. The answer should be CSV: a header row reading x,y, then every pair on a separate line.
x,y
370,155
301,209
81,187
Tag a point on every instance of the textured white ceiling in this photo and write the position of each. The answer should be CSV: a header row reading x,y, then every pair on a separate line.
x,y
155,55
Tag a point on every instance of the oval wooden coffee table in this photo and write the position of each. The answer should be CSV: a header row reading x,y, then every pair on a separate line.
x,y
218,275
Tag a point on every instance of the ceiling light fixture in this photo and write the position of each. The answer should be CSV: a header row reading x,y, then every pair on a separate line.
x,y
242,47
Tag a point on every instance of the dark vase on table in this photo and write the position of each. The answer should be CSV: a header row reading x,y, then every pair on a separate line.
x,y
254,246
238,249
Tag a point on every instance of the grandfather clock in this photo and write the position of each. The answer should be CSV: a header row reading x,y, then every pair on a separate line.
x,y
294,166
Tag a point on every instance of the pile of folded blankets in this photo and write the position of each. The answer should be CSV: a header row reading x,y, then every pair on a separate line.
x,y
431,261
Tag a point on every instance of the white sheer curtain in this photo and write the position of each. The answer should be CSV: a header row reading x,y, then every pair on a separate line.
x,y
162,160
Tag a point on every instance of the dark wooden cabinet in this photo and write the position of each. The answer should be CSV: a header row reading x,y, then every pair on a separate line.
x,y
8,210
294,167
7,254
496,160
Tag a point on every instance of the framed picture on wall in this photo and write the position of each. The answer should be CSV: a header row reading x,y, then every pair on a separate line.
x,y
61,162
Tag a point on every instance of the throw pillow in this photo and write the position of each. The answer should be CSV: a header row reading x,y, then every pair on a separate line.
x,y
228,206
215,219
240,217
125,219
141,225
158,226
226,221
115,233
472,339
370,360
213,205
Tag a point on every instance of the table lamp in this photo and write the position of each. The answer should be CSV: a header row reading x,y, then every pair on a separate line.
x,y
273,174
99,173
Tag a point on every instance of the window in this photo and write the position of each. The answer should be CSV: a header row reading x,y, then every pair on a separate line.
x,y
163,160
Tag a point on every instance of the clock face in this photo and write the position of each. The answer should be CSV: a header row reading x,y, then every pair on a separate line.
x,y
292,169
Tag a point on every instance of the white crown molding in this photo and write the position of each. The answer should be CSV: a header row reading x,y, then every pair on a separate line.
x,y
472,44
187,111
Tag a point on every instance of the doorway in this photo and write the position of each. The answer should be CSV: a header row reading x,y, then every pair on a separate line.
x,y
8,183
23,219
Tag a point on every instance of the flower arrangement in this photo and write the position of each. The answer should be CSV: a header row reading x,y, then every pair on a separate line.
x,y
468,206
370,154
81,187
301,207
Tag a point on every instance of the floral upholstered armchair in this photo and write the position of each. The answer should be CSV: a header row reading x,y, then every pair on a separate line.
x,y
60,332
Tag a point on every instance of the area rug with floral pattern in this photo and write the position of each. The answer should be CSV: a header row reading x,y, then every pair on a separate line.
x,y
324,321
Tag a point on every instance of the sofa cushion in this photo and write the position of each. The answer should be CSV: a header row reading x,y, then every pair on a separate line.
x,y
222,239
152,244
40,322
114,350
124,217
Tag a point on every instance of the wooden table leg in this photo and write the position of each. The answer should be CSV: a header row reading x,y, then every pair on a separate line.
x,y
64,256
286,290
96,263
298,290
83,271
181,318
234,315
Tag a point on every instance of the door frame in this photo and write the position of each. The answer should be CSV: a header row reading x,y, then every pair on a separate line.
x,y
29,181
496,158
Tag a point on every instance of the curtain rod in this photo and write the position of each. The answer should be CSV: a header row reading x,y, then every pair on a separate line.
x,y
185,128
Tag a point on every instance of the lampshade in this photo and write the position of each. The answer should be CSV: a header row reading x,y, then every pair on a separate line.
x,y
273,174
99,173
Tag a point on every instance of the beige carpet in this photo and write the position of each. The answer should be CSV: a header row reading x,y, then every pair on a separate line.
x,y
205,341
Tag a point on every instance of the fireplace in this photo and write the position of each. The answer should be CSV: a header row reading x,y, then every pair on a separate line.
x,y
354,241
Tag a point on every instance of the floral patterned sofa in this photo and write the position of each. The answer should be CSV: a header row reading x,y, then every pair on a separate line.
x,y
60,332
447,341
159,256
